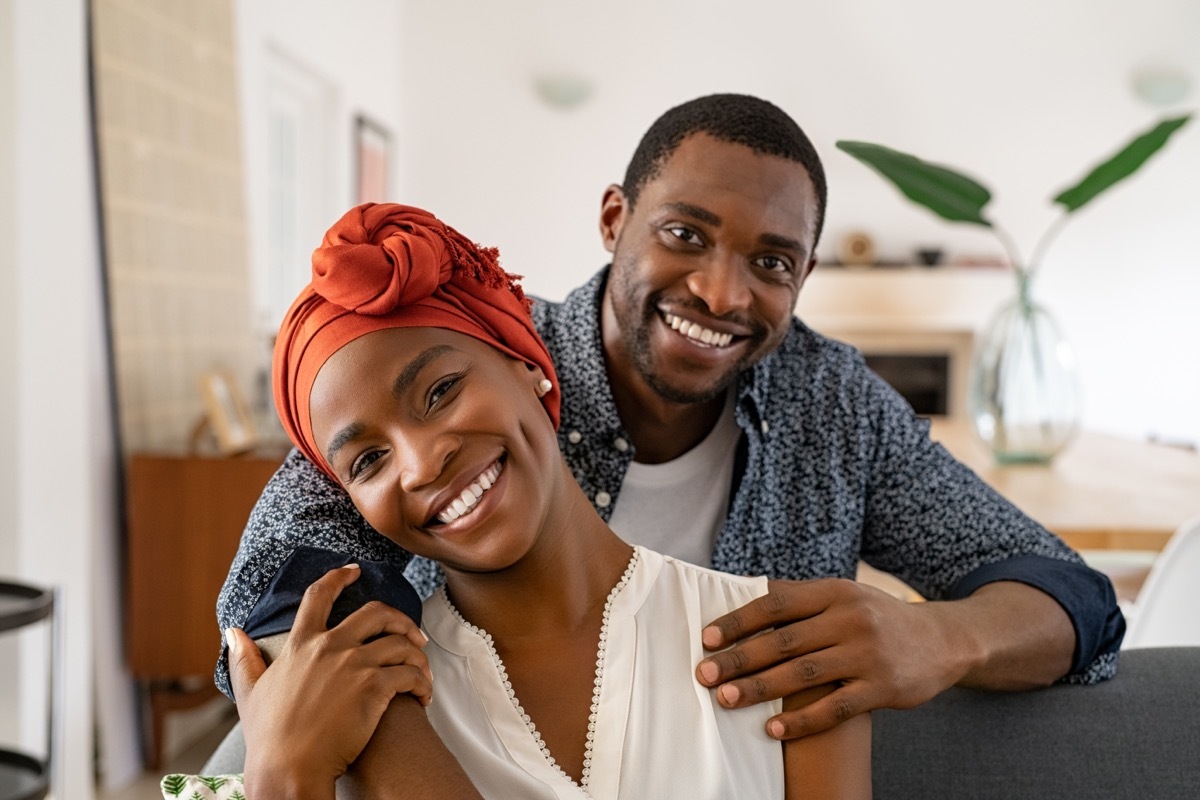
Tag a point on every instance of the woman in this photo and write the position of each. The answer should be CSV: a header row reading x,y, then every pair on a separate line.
x,y
410,372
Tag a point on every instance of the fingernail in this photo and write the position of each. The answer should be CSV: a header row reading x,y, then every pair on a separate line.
x,y
711,636
231,640
352,566
776,729
729,693
424,638
709,671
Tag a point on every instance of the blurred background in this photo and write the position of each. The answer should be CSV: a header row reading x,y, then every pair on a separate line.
x,y
166,167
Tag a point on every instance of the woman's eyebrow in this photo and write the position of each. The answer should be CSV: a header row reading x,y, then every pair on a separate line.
x,y
342,438
409,374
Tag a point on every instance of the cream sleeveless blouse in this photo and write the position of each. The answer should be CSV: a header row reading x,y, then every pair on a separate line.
x,y
656,732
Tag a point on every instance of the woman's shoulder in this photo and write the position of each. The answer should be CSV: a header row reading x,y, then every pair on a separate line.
x,y
714,592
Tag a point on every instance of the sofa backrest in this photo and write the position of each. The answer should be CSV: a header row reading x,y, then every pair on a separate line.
x,y
1136,736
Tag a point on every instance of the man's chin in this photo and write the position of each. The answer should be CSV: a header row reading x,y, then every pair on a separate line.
x,y
690,392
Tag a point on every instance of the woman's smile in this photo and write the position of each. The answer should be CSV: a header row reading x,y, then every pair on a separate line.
x,y
464,504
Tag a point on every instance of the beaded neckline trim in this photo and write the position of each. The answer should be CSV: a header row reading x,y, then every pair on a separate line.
x,y
599,681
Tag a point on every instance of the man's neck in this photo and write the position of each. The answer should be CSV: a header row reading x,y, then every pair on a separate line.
x,y
662,430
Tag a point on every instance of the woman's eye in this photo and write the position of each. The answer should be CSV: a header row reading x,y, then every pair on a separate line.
x,y
364,462
441,389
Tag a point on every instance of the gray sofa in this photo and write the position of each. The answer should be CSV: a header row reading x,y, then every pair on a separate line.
x,y
1136,736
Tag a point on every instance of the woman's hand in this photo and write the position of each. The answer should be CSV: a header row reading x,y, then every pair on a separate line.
x,y
311,714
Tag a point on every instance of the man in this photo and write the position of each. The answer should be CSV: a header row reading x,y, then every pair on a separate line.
x,y
705,421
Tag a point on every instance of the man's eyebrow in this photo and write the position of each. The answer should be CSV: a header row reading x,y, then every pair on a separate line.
x,y
784,242
410,372
696,212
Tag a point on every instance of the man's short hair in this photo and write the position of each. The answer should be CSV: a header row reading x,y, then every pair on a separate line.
x,y
741,119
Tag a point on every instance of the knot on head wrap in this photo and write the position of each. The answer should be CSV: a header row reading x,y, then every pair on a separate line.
x,y
384,265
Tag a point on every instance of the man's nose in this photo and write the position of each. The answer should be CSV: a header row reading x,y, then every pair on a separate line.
x,y
722,283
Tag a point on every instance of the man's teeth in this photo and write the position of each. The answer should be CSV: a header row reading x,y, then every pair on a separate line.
x,y
466,501
698,332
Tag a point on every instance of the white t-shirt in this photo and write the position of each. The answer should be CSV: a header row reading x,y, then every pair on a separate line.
x,y
699,480
658,733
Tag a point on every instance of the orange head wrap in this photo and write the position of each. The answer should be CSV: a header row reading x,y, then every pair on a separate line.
x,y
392,266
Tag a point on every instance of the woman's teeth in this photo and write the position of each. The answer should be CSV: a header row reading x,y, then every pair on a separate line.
x,y
698,332
465,502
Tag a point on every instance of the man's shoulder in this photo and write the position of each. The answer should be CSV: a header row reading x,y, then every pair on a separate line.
x,y
554,320
807,362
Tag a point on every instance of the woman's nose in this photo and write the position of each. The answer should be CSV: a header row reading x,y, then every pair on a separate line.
x,y
721,283
423,458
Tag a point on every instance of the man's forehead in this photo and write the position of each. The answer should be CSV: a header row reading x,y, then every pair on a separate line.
x,y
708,178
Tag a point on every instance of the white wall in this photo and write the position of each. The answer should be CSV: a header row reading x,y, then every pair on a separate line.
x,y
8,366
1026,95
61,457
352,53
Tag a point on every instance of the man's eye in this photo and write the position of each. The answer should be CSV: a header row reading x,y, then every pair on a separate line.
x,y
775,264
684,234
364,462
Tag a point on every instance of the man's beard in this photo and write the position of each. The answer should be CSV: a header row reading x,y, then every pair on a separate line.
x,y
635,334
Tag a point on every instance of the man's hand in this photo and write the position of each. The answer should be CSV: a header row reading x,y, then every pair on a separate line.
x,y
312,713
882,652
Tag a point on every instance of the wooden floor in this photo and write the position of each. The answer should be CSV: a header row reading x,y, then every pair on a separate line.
x,y
188,762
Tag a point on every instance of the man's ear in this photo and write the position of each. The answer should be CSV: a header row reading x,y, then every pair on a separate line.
x,y
612,216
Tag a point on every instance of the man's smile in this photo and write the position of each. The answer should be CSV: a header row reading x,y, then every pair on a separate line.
x,y
697,332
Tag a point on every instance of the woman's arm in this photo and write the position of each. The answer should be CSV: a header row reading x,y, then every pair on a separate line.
x,y
835,763
334,697
406,758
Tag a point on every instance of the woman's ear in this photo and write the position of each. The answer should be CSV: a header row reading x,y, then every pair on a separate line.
x,y
612,216
541,384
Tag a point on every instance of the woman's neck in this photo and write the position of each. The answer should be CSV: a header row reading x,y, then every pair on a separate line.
x,y
559,586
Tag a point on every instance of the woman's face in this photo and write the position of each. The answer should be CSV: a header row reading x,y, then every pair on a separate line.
x,y
441,442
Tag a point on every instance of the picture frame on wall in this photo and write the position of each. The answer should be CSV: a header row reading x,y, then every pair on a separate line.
x,y
227,414
372,160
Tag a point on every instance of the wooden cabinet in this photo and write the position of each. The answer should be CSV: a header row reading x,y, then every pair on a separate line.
x,y
185,516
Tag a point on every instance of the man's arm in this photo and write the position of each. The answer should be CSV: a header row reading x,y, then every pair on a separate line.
x,y
299,506
1017,607
883,652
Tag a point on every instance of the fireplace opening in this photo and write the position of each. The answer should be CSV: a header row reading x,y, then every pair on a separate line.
x,y
922,380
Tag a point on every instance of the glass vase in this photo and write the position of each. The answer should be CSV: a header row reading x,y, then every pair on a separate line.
x,y
1024,391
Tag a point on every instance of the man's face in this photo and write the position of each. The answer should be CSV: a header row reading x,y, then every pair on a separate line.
x,y
707,267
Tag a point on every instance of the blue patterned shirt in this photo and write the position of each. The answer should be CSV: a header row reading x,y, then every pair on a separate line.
x,y
833,467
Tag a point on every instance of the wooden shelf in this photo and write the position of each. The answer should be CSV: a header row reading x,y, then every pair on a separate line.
x,y
185,519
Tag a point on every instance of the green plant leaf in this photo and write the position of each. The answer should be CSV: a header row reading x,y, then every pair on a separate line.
x,y
1128,161
944,191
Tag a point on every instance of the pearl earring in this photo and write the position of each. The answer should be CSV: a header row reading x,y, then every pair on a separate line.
x,y
544,386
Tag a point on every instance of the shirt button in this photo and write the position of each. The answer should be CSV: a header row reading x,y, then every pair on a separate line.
x,y
766,426
621,444
574,437
603,499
